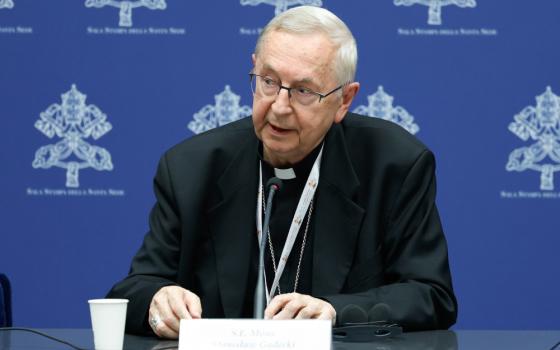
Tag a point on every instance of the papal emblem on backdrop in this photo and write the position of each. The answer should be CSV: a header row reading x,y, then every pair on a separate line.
x,y
73,121
380,105
126,6
225,110
541,124
6,4
281,5
435,7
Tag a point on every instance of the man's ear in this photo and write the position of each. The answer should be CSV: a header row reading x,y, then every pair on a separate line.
x,y
348,93
254,59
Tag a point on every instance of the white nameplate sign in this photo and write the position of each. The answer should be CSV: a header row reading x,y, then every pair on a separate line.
x,y
255,334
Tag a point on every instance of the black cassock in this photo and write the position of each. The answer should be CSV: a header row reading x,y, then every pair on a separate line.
x,y
376,235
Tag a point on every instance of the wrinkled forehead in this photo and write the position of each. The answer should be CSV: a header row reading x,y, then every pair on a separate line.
x,y
298,56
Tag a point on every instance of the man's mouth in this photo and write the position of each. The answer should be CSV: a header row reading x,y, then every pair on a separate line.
x,y
277,129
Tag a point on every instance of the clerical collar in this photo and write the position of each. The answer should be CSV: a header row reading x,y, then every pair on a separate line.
x,y
300,169
285,174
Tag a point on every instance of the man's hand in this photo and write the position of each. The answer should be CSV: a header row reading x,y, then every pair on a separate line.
x,y
169,305
299,306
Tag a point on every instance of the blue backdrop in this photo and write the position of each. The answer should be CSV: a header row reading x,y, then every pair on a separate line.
x,y
92,92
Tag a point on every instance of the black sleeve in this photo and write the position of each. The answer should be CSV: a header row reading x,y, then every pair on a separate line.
x,y
155,265
417,284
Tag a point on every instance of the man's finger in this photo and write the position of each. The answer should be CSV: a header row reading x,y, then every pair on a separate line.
x,y
164,311
169,305
162,330
291,308
299,306
192,302
311,310
276,304
326,315
289,311
177,304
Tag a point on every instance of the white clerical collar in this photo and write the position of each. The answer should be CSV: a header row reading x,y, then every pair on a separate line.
x,y
284,174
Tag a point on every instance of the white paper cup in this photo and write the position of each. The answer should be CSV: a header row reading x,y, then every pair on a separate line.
x,y
108,318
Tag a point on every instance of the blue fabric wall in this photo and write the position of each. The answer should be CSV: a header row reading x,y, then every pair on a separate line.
x,y
473,88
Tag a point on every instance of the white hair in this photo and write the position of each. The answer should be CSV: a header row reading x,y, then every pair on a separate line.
x,y
309,20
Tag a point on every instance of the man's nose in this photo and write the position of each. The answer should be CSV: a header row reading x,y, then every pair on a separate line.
x,y
282,103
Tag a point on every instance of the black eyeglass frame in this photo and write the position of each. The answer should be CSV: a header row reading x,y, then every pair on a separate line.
x,y
289,89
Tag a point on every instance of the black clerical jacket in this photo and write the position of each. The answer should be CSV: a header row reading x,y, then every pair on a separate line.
x,y
377,236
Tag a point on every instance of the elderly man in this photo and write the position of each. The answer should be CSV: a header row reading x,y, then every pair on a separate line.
x,y
357,209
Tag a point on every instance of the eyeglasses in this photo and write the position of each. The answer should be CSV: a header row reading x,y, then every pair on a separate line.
x,y
269,87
